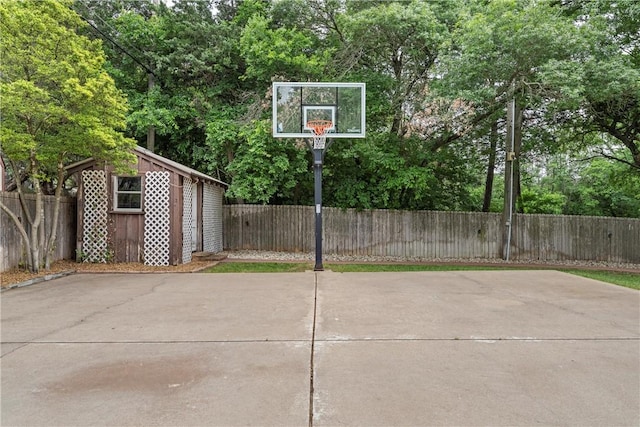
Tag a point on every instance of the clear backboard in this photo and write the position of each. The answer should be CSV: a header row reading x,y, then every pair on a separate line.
x,y
297,105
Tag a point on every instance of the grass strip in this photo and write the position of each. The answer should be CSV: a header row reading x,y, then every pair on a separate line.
x,y
374,268
259,267
629,280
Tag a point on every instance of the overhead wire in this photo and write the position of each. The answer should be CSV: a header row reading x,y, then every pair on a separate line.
x,y
118,45
107,25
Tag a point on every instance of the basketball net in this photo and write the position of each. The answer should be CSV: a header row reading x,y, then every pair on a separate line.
x,y
319,128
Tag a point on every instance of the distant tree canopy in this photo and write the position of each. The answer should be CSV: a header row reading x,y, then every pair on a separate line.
x,y
438,75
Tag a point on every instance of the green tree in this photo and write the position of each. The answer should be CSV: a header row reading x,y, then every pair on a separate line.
x,y
288,53
497,55
398,41
601,187
266,170
438,75
193,55
59,104
598,91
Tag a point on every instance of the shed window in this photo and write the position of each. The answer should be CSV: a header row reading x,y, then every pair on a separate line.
x,y
127,193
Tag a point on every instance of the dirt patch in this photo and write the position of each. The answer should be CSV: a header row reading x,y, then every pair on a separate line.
x,y
18,275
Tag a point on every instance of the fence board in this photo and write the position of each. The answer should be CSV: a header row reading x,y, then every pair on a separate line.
x,y
11,247
428,234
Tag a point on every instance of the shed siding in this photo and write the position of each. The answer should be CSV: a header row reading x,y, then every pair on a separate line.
x,y
126,231
218,223
175,219
212,218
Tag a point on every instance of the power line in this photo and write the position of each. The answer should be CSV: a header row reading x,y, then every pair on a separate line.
x,y
106,24
126,52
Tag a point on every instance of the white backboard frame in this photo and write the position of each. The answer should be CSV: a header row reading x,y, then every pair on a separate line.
x,y
305,116
355,132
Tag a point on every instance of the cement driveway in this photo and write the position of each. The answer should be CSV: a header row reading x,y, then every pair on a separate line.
x,y
321,349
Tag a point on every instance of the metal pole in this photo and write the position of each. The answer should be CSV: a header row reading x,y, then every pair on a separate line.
x,y
317,178
508,179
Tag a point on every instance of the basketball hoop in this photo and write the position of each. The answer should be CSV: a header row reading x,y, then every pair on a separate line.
x,y
319,128
309,110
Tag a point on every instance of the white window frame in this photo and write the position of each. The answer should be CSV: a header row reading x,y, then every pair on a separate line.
x,y
116,192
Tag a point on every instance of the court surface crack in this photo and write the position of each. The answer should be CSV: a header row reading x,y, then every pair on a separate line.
x,y
313,340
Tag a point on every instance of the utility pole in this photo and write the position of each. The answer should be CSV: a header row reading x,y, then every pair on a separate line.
x,y
151,130
509,200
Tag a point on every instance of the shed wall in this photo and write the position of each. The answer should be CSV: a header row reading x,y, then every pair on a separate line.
x,y
126,230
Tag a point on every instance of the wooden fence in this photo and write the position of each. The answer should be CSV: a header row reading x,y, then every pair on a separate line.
x,y
11,248
411,234
428,234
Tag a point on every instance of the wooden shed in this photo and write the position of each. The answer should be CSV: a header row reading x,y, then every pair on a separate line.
x,y
159,216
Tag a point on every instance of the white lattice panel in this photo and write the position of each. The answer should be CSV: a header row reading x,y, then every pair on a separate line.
x,y
156,218
94,230
187,219
212,218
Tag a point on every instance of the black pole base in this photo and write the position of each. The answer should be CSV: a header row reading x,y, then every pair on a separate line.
x,y
317,184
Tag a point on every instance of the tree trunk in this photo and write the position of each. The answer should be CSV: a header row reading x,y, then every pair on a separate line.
x,y
35,231
23,203
488,187
37,217
51,244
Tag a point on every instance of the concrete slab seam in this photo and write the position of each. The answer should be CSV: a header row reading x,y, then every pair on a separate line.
x,y
479,339
256,341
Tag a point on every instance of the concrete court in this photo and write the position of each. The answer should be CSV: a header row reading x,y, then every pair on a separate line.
x,y
353,349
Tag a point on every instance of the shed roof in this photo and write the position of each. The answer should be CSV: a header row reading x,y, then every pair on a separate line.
x,y
187,170
141,151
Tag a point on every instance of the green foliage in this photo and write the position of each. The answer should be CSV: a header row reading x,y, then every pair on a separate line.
x,y
283,52
58,102
605,188
396,44
394,174
401,39
438,75
265,170
538,201
599,92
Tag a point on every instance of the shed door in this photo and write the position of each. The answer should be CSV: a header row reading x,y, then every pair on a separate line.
x,y
194,217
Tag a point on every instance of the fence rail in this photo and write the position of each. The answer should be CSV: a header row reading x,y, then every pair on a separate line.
x,y
429,234
12,251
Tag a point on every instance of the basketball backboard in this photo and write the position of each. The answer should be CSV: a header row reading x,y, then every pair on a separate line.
x,y
295,104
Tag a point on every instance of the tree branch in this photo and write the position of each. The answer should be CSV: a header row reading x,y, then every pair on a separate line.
x,y
601,154
21,229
